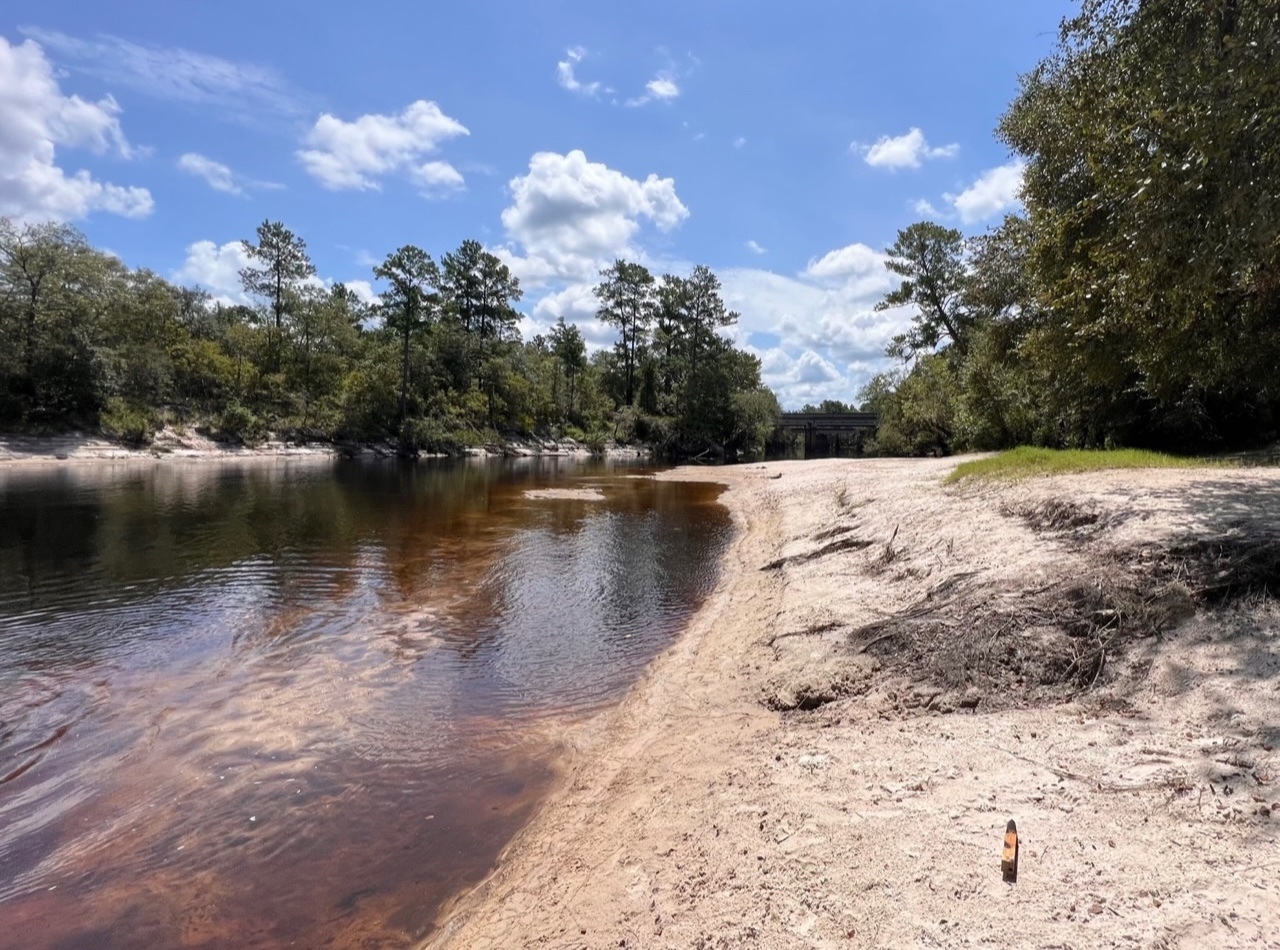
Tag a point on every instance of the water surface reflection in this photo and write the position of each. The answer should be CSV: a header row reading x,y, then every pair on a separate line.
x,y
291,703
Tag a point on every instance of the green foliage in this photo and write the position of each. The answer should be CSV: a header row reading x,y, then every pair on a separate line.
x,y
1152,146
917,409
930,260
628,300
830,405
134,424
1138,301
436,365
755,415
409,303
1025,462
237,423
280,266
432,435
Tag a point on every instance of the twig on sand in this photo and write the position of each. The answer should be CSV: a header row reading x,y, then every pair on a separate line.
x,y
808,631
1076,776
844,544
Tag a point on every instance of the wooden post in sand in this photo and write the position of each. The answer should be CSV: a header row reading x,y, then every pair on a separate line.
x,y
1009,857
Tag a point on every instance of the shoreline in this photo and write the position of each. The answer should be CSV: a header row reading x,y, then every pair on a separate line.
x,y
710,809
613,733
79,448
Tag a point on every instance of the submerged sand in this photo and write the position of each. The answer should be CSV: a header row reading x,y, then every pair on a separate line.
x,y
564,494
829,756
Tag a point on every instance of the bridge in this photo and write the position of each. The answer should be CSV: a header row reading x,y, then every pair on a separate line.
x,y
828,425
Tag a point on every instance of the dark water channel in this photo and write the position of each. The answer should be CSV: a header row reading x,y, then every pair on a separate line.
x,y
300,704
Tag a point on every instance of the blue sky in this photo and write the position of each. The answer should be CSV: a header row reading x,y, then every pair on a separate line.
x,y
783,145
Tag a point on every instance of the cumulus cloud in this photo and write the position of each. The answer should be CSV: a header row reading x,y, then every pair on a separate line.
x,y
566,77
363,291
355,156
995,191
903,151
851,260
35,120
856,268
176,74
437,176
216,268
817,333
576,303
755,248
216,175
570,216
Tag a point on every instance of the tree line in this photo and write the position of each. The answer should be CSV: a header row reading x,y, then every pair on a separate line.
x,y
1137,300
437,362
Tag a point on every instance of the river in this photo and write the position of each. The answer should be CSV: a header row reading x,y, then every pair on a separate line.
x,y
273,704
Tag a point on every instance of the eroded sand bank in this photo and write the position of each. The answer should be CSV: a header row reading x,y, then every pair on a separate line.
x,y
1142,773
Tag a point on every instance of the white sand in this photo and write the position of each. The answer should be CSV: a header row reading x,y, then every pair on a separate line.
x,y
692,816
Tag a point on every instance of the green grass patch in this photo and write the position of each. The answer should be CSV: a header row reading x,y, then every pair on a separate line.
x,y
1025,462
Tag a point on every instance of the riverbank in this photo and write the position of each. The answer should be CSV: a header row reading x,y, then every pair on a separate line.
x,y
188,445
888,671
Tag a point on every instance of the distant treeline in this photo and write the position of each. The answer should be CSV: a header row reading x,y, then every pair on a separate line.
x,y
1137,301
435,363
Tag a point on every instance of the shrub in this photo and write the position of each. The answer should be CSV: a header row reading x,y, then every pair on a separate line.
x,y
238,424
130,423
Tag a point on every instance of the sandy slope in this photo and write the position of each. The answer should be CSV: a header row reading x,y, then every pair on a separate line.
x,y
188,445
696,816
80,447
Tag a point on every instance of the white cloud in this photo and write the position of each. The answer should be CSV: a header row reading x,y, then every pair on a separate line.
x,y
755,248
577,304
356,155
363,291
565,74
858,267
572,216
219,177
822,336
740,141
661,88
216,269
996,191
35,119
924,207
903,151
176,74
216,175
437,176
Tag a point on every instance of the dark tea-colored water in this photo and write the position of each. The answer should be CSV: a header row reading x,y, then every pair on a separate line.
x,y
301,704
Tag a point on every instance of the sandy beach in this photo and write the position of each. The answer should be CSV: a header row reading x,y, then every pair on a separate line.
x,y
889,670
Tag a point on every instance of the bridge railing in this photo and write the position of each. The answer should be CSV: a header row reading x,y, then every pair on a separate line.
x,y
829,421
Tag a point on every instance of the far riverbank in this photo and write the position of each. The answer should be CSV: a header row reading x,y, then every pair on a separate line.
x,y
169,444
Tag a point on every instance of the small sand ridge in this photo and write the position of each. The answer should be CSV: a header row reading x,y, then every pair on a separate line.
x,y
889,671
565,494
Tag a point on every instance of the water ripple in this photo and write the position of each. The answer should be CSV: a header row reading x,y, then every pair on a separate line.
x,y
240,705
